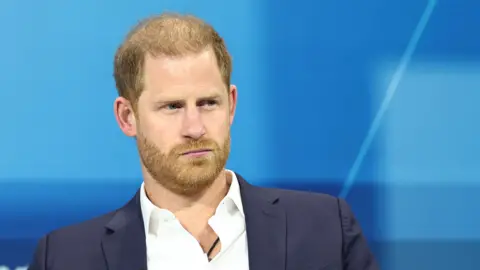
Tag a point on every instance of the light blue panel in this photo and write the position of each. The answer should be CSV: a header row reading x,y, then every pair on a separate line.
x,y
319,54
58,89
431,150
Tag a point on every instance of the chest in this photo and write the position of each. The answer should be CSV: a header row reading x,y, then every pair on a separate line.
x,y
173,247
184,252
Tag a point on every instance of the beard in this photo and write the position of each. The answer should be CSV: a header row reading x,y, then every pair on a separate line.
x,y
184,175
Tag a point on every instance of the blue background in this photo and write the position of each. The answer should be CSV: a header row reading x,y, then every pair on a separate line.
x,y
375,101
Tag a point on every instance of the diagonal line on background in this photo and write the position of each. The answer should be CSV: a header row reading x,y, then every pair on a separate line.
x,y
392,88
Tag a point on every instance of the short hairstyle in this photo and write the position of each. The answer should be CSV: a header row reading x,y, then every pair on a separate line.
x,y
168,34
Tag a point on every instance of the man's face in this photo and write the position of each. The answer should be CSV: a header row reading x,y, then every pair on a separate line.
x,y
183,121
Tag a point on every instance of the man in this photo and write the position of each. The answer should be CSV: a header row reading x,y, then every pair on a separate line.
x,y
175,98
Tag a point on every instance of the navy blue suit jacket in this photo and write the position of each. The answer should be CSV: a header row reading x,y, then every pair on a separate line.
x,y
286,230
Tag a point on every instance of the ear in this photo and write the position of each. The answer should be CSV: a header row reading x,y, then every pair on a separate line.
x,y
125,116
232,101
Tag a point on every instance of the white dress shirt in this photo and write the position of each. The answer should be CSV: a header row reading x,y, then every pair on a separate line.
x,y
171,247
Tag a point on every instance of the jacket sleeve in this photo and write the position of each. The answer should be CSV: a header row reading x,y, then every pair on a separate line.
x,y
39,260
356,252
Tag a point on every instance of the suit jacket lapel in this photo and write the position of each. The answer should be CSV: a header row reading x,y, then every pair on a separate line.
x,y
266,227
124,241
124,244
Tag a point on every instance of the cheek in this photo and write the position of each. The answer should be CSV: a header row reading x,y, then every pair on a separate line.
x,y
218,126
156,131
155,123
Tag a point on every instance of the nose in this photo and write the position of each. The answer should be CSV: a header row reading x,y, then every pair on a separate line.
x,y
193,126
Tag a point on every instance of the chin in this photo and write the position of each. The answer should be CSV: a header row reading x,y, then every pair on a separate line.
x,y
199,173
193,186
194,178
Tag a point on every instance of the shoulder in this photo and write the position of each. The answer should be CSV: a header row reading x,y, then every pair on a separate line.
x,y
320,218
82,231
295,200
76,241
307,201
313,206
93,229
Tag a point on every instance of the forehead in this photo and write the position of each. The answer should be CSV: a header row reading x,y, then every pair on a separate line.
x,y
192,72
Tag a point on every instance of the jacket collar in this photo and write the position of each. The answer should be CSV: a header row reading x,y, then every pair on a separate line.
x,y
124,244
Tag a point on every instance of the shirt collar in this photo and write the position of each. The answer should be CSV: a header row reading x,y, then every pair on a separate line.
x,y
151,212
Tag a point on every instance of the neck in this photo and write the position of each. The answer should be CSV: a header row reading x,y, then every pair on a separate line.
x,y
192,211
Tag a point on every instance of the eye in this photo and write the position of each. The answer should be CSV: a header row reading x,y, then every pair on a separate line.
x,y
173,106
208,103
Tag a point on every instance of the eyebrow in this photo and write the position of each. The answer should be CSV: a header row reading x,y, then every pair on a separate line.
x,y
213,96
173,100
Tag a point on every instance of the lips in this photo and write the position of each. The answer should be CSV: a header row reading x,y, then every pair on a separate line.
x,y
197,151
